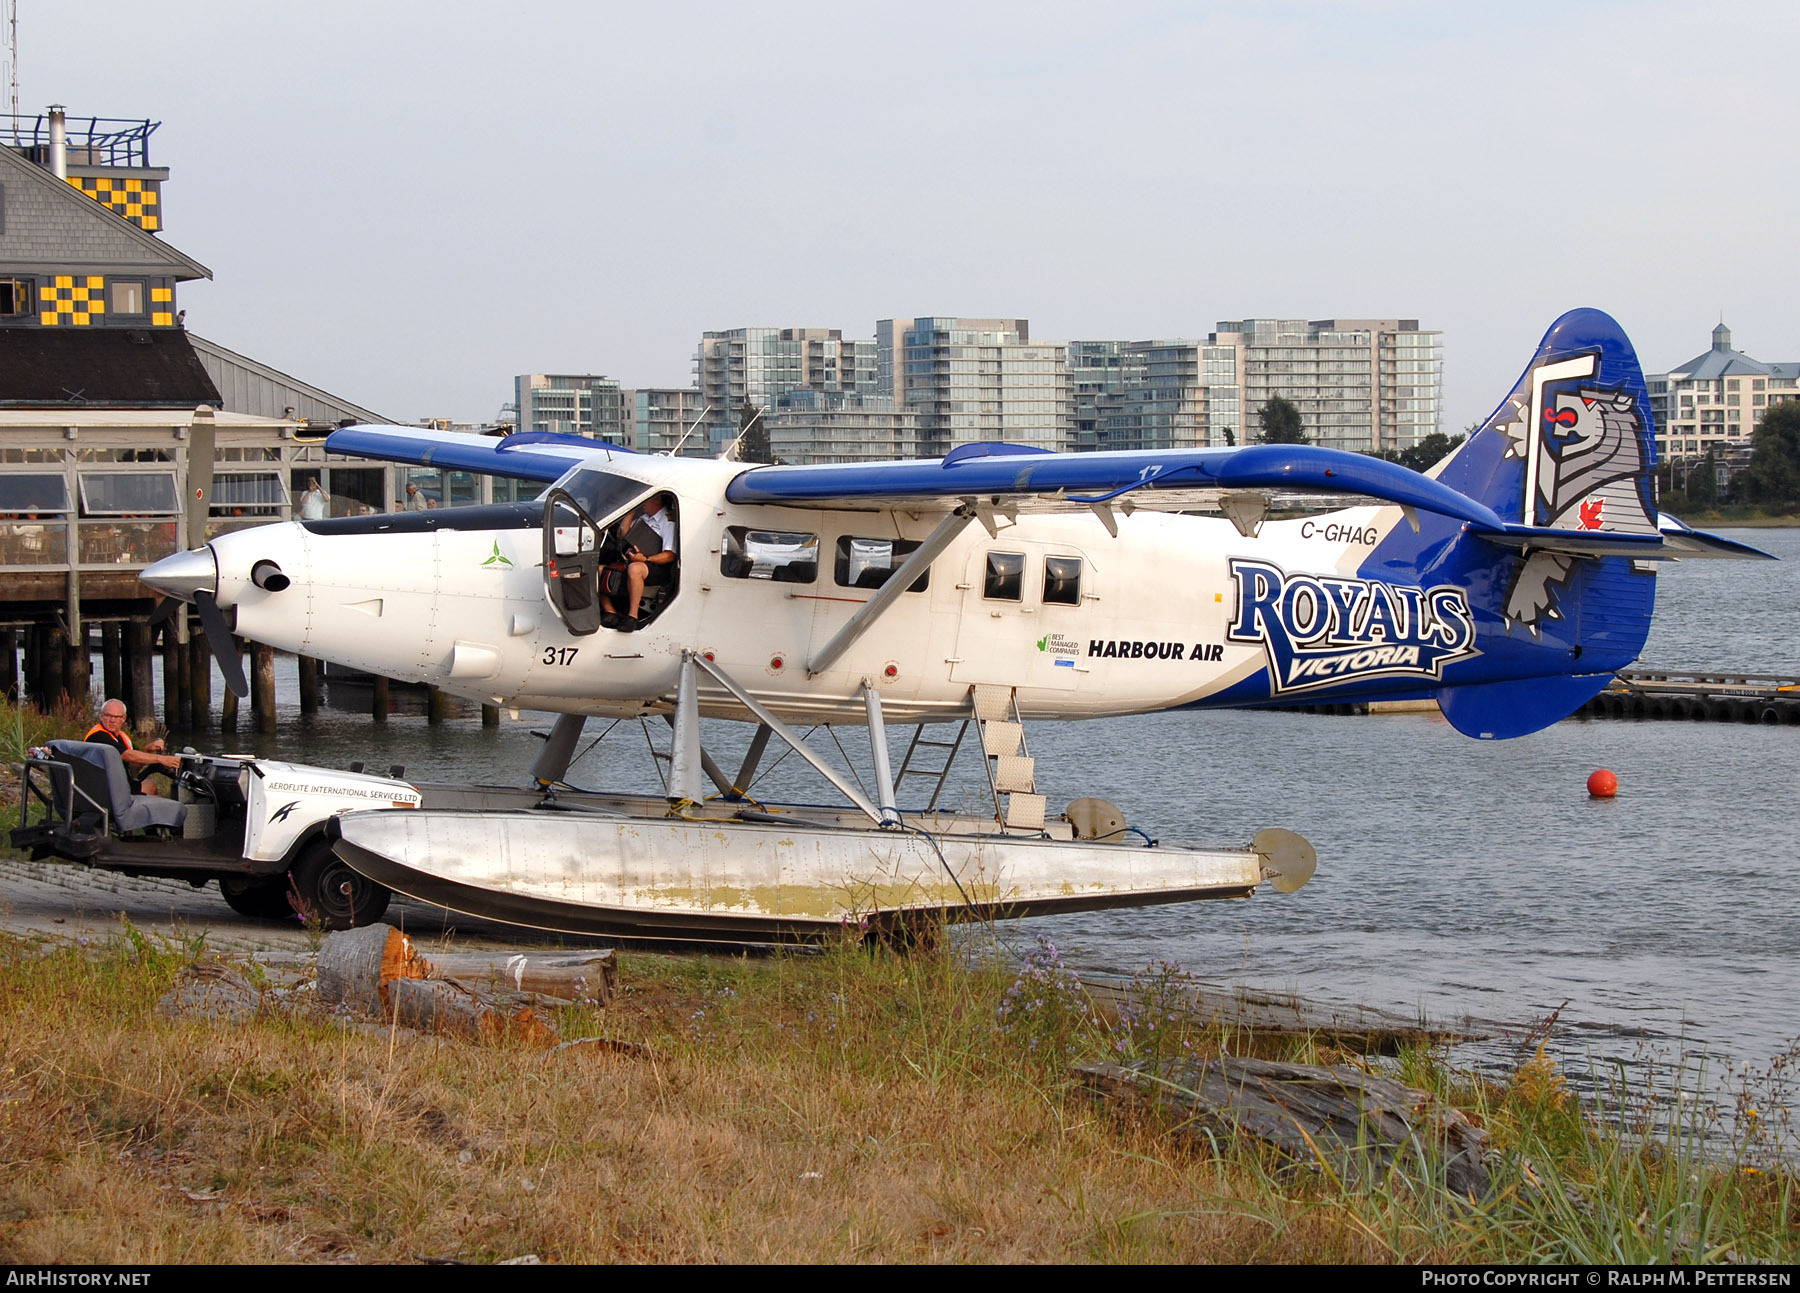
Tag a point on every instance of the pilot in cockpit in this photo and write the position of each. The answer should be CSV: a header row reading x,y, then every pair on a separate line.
x,y
648,542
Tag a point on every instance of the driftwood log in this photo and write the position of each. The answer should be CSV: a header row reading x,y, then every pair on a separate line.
x,y
356,965
1341,1118
481,996
434,1006
590,977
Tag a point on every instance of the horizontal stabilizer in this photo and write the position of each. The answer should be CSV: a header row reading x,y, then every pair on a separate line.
x,y
1687,543
1673,542
1498,711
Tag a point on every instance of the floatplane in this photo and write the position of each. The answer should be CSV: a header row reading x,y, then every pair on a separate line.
x,y
992,588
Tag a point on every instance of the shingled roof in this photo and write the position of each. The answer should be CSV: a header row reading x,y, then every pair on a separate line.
x,y
50,226
102,368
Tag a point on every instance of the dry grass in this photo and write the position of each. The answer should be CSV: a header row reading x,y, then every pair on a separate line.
x,y
846,1107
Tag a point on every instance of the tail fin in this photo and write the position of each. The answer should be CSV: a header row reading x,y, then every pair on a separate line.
x,y
1571,449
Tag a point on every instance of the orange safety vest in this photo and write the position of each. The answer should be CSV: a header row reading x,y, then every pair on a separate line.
x,y
99,729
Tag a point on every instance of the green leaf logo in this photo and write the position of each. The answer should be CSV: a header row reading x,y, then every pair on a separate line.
x,y
498,558
1044,643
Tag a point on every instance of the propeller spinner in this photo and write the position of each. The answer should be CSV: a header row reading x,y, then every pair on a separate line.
x,y
194,577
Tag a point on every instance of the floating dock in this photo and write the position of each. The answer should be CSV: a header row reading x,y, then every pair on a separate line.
x,y
1656,693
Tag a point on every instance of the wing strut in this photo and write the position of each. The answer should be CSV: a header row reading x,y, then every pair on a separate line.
x,y
885,596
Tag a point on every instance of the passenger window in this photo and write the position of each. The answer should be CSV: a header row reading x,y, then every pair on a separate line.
x,y
867,563
1062,581
1005,576
779,555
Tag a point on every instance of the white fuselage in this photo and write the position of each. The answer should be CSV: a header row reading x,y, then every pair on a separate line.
x,y
466,610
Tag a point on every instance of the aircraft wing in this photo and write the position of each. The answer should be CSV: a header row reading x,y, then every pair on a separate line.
x,y
1144,478
529,455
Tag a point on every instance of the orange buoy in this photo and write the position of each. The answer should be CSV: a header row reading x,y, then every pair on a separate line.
x,y
1602,784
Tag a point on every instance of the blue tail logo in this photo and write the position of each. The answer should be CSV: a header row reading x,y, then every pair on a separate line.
x,y
1587,467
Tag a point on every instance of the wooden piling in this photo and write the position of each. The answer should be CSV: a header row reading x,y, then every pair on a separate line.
x,y
199,680
173,703
56,667
140,687
33,661
490,716
9,665
308,670
184,672
249,676
228,703
378,710
76,664
46,672
437,706
112,661
262,685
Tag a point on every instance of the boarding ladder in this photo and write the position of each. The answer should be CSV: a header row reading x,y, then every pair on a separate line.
x,y
1011,770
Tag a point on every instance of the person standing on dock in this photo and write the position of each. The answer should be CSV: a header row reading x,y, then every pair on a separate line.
x,y
315,503
139,764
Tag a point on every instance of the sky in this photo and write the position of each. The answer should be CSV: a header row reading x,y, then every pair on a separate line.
x,y
408,204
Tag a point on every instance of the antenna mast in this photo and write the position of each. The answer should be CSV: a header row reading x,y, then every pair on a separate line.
x,y
9,15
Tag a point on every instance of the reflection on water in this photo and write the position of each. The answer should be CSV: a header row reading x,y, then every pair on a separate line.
x,y
1457,878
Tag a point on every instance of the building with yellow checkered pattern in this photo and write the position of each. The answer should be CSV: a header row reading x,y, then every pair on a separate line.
x,y
80,214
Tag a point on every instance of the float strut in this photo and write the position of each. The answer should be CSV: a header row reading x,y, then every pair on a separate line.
x,y
559,751
684,760
878,749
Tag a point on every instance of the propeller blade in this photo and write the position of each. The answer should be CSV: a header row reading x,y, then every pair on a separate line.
x,y
218,637
165,611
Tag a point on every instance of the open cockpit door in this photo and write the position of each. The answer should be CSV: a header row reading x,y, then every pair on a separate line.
x,y
571,563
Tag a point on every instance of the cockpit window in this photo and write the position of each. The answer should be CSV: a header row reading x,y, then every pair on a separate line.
x,y
1005,577
780,555
601,493
867,563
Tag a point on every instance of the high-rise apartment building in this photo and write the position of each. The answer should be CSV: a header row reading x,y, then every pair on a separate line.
x,y
1716,398
807,427
972,380
1178,394
760,365
1097,370
1360,384
663,420
573,404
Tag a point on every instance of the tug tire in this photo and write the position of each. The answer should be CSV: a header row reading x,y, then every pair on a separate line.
x,y
325,888
263,897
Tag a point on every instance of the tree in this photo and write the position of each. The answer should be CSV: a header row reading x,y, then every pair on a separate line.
x,y
1428,452
753,435
1773,476
1281,423
1703,481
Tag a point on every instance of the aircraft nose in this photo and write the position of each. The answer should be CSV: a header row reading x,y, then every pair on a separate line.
x,y
184,574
